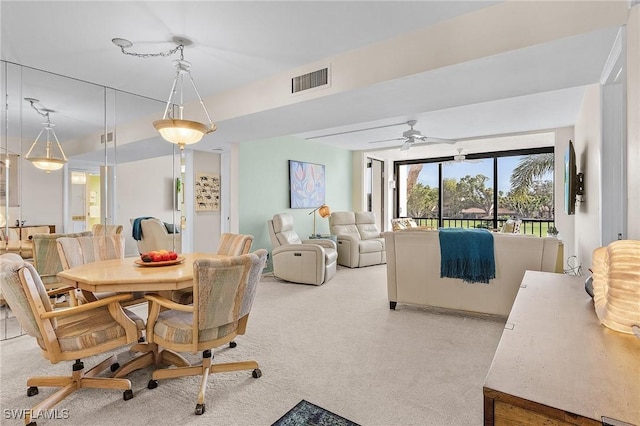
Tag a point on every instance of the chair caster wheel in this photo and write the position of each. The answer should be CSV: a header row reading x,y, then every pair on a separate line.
x,y
114,367
152,384
200,409
127,395
33,390
232,344
256,373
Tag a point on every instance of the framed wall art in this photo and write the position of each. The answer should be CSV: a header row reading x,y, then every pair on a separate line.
x,y
306,185
207,192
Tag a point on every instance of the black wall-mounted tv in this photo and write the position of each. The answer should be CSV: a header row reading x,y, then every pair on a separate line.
x,y
570,180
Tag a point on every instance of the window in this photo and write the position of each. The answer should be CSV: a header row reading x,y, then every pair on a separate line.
x,y
467,193
519,182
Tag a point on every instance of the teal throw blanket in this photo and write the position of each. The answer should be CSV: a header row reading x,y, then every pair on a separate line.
x,y
467,254
136,227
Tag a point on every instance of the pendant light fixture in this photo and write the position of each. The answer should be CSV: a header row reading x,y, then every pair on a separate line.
x,y
176,129
45,158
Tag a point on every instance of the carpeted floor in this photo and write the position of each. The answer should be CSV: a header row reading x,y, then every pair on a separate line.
x,y
337,345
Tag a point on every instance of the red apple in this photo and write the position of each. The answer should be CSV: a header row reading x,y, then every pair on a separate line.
x,y
173,255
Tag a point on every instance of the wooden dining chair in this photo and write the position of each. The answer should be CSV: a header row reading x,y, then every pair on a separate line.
x,y
67,334
229,245
76,251
101,229
47,262
223,291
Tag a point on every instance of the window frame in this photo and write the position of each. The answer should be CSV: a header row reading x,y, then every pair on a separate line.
x,y
495,155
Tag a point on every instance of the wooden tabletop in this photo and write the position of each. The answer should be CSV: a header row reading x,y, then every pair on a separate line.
x,y
124,275
555,352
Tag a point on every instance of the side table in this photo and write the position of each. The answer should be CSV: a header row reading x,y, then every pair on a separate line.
x,y
333,238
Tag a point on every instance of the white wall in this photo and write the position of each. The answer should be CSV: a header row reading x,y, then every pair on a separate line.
x,y
145,188
206,224
633,123
41,197
588,135
564,222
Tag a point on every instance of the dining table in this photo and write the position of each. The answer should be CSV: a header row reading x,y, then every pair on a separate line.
x,y
128,275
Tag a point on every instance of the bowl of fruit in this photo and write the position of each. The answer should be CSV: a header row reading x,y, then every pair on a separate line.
x,y
159,258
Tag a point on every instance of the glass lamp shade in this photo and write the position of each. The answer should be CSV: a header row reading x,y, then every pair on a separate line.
x,y
47,164
182,132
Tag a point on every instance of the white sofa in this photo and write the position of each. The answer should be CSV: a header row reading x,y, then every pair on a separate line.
x,y
360,242
413,271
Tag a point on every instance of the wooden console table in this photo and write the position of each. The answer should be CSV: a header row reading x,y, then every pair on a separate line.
x,y
557,365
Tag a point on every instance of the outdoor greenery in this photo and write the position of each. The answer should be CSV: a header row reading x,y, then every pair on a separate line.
x,y
468,201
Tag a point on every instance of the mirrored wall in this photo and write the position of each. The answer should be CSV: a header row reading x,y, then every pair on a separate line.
x,y
117,168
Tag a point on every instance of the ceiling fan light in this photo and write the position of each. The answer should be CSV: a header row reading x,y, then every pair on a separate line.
x,y
182,132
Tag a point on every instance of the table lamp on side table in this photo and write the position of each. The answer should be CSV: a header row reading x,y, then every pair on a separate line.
x,y
324,212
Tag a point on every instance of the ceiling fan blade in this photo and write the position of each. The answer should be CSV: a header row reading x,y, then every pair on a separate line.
x,y
355,131
439,140
387,140
405,146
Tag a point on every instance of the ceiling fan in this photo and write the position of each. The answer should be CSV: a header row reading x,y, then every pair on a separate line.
x,y
411,136
460,158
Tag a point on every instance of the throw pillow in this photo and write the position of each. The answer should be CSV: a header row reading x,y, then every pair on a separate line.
x,y
171,228
516,226
397,225
508,227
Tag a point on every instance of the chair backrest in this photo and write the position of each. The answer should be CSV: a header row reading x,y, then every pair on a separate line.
x,y
25,293
341,223
234,244
366,224
100,229
281,230
155,236
45,254
80,250
224,289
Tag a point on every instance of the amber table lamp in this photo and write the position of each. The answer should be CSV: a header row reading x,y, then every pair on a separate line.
x,y
323,211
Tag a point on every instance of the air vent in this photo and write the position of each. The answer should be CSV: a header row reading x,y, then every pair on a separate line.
x,y
310,80
109,137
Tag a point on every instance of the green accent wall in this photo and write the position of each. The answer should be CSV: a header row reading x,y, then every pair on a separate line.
x,y
264,184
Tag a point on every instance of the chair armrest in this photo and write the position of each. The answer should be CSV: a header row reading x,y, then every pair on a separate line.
x,y
60,290
348,237
321,242
348,250
318,249
169,304
86,306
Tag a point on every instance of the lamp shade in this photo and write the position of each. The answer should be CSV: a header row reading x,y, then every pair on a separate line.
x,y
47,164
182,132
324,211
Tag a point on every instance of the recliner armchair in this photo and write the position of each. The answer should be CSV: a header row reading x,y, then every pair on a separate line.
x,y
155,236
307,262
360,242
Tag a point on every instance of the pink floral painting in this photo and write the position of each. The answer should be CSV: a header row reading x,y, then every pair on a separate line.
x,y
306,184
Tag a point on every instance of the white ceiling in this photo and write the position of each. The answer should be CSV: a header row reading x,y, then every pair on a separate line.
x,y
242,42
